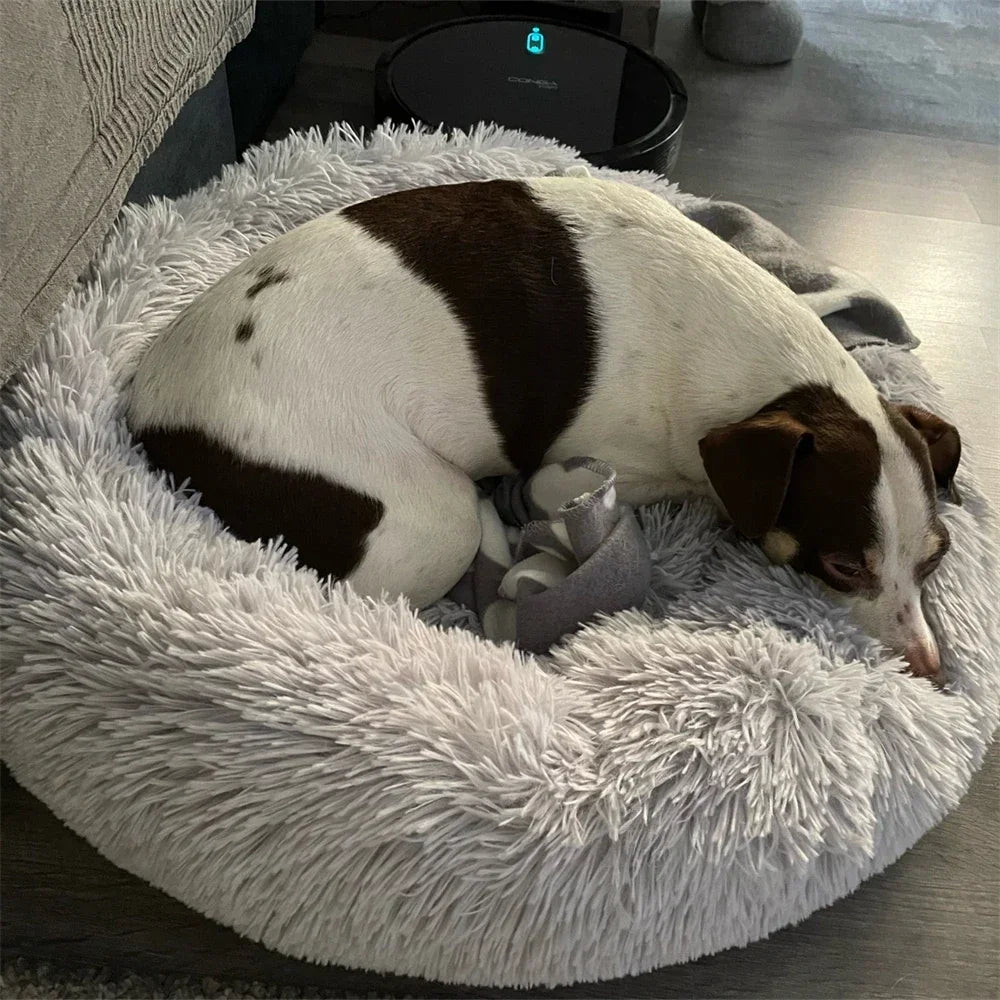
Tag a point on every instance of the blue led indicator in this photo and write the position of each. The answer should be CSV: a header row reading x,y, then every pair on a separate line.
x,y
536,42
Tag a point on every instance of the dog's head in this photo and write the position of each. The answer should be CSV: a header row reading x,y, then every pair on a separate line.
x,y
850,500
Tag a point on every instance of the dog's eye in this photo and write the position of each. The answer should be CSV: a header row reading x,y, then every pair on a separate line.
x,y
847,573
846,569
928,566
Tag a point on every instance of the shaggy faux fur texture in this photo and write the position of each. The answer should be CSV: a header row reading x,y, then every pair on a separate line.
x,y
350,783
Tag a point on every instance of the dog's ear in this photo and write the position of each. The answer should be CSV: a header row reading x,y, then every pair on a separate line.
x,y
749,465
943,442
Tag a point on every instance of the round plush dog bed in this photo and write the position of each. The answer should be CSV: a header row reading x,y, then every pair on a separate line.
x,y
349,782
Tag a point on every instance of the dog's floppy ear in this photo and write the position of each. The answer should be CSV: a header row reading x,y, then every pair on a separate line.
x,y
749,465
943,442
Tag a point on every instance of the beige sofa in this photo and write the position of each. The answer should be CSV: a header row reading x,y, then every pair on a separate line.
x,y
87,91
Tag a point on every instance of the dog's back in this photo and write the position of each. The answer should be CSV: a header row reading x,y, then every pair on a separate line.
x,y
500,324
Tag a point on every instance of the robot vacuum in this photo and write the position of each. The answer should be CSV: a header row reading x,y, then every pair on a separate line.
x,y
619,106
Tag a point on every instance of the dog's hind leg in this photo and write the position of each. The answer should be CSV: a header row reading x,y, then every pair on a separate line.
x,y
428,535
388,516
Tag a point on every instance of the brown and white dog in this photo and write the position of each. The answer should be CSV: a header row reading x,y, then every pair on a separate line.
x,y
346,385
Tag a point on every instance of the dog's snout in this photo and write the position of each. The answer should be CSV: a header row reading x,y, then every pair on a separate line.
x,y
923,659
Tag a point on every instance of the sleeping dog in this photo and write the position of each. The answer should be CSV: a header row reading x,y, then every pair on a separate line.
x,y
347,384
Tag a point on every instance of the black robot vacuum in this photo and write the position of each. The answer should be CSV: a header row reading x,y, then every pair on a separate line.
x,y
619,106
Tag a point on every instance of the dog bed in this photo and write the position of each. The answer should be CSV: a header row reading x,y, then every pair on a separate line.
x,y
348,782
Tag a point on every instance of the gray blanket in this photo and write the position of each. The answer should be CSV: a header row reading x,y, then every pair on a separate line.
x,y
557,547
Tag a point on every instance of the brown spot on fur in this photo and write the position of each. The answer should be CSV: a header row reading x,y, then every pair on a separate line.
x,y
328,523
266,276
244,331
510,271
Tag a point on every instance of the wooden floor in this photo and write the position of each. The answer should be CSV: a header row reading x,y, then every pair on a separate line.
x,y
878,147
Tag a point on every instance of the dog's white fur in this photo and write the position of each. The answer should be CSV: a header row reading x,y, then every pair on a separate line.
x,y
359,371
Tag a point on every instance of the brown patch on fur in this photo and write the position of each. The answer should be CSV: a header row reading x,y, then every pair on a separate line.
x,y
510,271
266,276
244,331
328,523
807,465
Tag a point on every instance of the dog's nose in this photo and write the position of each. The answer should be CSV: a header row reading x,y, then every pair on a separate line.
x,y
923,658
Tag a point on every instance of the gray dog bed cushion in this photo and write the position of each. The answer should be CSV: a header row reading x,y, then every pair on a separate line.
x,y
349,782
